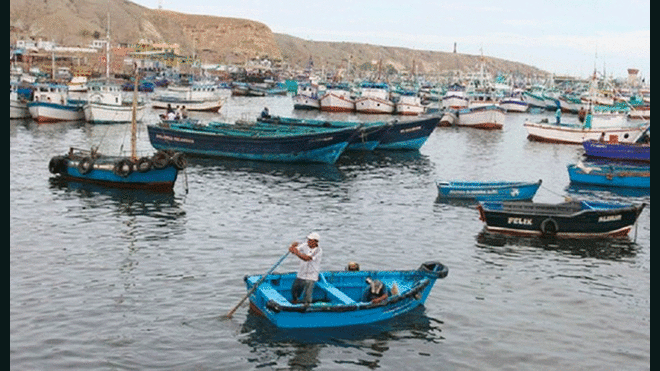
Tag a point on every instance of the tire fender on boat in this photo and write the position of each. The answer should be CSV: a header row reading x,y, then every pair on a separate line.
x,y
549,227
57,165
123,167
160,160
85,165
144,164
179,161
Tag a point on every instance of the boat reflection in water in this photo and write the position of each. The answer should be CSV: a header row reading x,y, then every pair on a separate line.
x,y
601,248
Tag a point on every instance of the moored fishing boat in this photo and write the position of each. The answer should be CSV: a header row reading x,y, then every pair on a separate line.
x,y
19,96
409,103
251,141
487,191
51,103
573,219
157,173
374,98
307,98
194,97
635,151
455,97
610,175
106,103
489,117
576,133
338,297
514,102
337,98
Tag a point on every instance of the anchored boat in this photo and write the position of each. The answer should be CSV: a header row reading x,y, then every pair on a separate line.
x,y
488,191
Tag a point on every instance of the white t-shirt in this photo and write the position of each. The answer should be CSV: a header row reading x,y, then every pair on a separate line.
x,y
309,270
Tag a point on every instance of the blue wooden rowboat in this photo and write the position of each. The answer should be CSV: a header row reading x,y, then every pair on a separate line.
x,y
487,191
573,219
156,173
618,151
611,175
338,297
252,142
369,133
393,135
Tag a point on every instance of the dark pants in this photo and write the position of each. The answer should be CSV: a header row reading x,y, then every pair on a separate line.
x,y
301,286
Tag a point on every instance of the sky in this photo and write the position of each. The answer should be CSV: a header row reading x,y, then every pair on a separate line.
x,y
564,37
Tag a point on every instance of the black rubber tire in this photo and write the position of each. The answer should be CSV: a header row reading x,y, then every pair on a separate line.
x,y
123,168
85,165
549,227
160,160
144,164
179,161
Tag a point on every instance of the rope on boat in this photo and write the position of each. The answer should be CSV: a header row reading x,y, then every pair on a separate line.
x,y
185,178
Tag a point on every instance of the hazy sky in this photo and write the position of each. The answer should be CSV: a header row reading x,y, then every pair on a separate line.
x,y
559,36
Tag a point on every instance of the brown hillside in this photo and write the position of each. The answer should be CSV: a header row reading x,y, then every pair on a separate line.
x,y
218,39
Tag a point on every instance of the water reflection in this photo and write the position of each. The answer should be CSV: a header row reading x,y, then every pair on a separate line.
x,y
293,171
377,159
621,194
600,248
301,347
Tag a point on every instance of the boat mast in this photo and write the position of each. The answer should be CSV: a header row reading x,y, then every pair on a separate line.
x,y
133,119
107,47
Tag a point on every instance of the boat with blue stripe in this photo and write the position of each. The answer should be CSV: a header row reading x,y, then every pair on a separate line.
x,y
252,141
339,299
487,191
610,175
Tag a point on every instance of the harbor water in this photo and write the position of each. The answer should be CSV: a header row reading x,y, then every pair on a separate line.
x,y
116,280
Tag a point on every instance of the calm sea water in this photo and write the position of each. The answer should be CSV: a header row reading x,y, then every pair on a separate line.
x,y
116,280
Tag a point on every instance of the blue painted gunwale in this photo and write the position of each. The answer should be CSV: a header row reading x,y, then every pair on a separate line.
x,y
488,191
611,175
337,297
252,142
408,135
574,219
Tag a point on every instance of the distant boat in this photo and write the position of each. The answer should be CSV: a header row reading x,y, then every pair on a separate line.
x,y
106,103
252,142
573,219
514,103
489,117
338,298
337,98
374,98
19,96
487,191
156,173
307,98
455,98
51,103
194,97
410,104
610,175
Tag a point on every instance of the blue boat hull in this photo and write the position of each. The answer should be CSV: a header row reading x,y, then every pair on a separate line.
x,y
408,135
323,147
337,297
488,191
611,176
585,219
103,170
618,151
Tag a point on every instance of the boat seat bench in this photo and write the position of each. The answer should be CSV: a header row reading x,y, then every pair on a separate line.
x,y
335,293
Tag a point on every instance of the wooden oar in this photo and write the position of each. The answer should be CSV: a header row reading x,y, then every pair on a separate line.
x,y
254,287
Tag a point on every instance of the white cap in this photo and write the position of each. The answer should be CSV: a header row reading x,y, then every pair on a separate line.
x,y
313,236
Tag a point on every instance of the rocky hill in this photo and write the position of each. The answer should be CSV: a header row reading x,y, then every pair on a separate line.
x,y
219,39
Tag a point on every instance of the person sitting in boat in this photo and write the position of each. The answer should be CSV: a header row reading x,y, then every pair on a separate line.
x,y
376,292
602,137
265,114
171,116
310,255
184,113
353,267
178,115
558,115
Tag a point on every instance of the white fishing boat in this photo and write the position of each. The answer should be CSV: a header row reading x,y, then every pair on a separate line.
x,y
337,98
51,103
576,133
455,98
307,98
409,104
106,103
19,96
489,117
374,98
194,97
